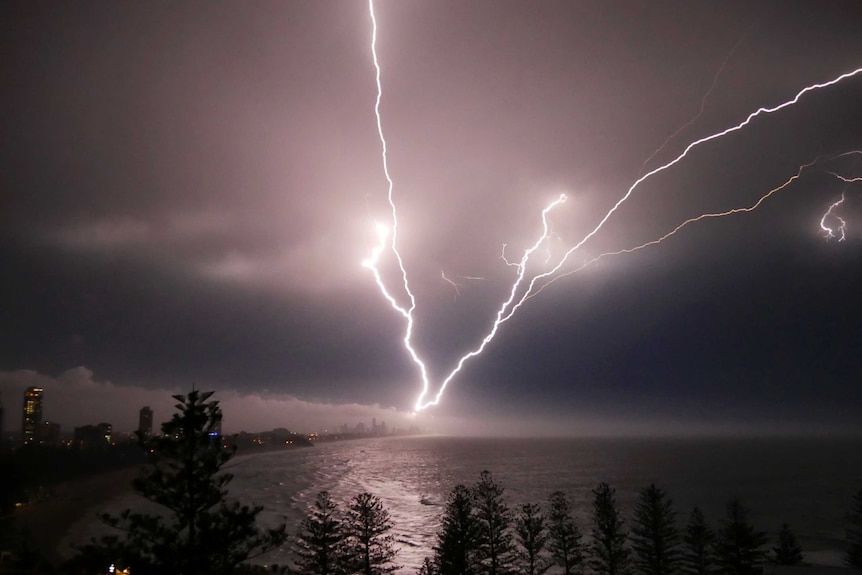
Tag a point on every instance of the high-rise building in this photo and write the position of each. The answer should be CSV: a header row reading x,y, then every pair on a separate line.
x,y
105,430
48,433
145,421
32,414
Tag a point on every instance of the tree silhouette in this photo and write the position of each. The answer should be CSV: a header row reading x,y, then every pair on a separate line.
x,y
739,545
655,538
368,545
319,543
788,551
531,537
428,567
608,552
200,531
854,533
564,537
494,518
698,544
458,538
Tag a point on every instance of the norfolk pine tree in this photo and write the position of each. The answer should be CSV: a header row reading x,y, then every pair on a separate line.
x,y
739,545
853,558
200,531
698,544
531,537
494,520
564,537
788,551
655,538
428,567
319,544
458,538
367,544
608,552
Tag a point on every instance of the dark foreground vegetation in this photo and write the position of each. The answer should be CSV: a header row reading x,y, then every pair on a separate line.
x,y
202,531
481,535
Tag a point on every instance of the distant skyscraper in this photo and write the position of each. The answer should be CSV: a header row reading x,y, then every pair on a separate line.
x,y
48,433
145,421
32,414
105,430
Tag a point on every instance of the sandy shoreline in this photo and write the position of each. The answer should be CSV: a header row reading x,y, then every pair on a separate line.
x,y
47,522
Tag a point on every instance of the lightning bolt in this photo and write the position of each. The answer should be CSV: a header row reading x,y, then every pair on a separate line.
x,y
697,116
539,281
454,285
506,259
829,232
845,179
842,225
522,268
674,231
383,232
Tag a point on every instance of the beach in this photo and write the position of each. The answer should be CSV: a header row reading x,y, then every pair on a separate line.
x,y
48,521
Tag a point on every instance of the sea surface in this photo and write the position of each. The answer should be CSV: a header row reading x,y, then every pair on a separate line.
x,y
808,483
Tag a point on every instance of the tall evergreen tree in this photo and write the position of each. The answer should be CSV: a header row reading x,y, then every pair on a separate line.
x,y
655,538
788,551
458,539
494,520
319,544
428,567
608,552
201,531
368,545
531,537
739,545
854,533
564,537
698,544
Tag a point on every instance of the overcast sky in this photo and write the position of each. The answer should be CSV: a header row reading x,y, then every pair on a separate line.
x,y
187,192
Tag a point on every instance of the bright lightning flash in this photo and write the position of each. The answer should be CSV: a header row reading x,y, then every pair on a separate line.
x,y
523,288
842,225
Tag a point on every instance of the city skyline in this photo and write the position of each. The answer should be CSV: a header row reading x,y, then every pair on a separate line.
x,y
192,207
35,400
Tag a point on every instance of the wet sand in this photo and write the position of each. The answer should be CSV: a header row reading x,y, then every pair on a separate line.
x,y
47,522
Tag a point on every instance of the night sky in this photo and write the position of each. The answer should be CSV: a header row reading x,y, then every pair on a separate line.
x,y
187,192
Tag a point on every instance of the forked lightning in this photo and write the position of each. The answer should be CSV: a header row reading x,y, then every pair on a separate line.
x,y
524,287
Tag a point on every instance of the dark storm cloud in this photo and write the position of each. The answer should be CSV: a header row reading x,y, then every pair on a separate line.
x,y
188,190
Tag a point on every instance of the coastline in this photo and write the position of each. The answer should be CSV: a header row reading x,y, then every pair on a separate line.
x,y
47,522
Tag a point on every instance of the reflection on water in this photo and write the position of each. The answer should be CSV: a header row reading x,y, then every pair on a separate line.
x,y
808,483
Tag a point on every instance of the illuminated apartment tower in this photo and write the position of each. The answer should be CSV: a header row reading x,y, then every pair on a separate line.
x,y
145,421
32,415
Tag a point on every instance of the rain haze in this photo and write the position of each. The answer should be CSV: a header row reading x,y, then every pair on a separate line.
x,y
188,192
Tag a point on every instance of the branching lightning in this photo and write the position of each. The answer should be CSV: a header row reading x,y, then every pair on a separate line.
x,y
525,287
452,283
697,116
842,225
841,231
674,231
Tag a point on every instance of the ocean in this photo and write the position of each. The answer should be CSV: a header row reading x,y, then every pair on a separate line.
x,y
806,482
